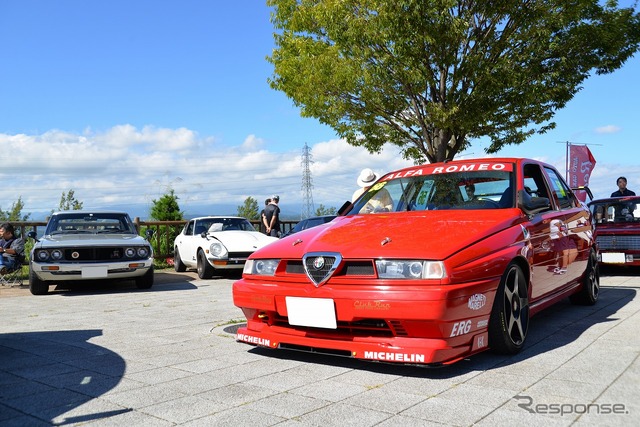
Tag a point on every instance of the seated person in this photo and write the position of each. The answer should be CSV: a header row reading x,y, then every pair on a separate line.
x,y
381,201
471,192
11,248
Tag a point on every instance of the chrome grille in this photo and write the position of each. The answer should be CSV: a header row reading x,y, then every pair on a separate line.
x,y
319,266
618,242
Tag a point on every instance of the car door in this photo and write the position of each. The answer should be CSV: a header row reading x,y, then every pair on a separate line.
x,y
188,244
560,236
576,229
539,228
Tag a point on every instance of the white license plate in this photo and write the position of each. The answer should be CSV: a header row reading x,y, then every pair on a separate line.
x,y
315,312
613,257
94,272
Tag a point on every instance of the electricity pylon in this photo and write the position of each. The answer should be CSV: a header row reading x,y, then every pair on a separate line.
x,y
307,184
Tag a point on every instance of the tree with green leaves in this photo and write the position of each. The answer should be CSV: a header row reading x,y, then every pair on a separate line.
x,y
249,209
68,202
166,208
322,210
430,76
15,213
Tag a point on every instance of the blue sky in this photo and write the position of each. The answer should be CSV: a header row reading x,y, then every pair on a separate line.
x,y
120,100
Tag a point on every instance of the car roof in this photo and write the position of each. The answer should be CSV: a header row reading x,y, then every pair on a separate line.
x,y
90,212
217,217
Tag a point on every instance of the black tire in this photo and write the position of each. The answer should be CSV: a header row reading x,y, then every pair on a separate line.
x,y
178,265
588,294
37,286
509,320
146,281
205,270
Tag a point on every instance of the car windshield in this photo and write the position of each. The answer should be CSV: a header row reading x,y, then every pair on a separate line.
x,y
615,211
432,189
222,224
90,223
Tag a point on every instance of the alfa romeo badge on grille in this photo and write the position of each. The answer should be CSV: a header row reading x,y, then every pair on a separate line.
x,y
75,255
320,266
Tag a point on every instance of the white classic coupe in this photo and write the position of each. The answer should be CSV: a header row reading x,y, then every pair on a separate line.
x,y
216,243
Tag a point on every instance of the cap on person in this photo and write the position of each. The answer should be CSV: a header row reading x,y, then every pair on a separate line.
x,y
275,198
367,177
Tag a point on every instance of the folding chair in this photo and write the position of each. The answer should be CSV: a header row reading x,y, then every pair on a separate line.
x,y
12,277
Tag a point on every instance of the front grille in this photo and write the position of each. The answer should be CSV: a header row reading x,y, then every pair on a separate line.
x,y
318,273
90,254
94,254
349,268
619,242
239,255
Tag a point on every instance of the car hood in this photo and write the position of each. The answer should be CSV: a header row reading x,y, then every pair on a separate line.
x,y
60,240
242,241
427,234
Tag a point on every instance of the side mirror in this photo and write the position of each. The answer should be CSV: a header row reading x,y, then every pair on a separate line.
x,y
33,235
345,208
532,205
149,232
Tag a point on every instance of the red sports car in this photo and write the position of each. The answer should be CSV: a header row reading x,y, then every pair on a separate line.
x,y
617,222
432,264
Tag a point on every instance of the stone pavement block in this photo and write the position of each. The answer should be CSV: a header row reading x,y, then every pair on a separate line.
x,y
287,405
184,409
341,414
330,390
449,412
237,394
380,399
236,417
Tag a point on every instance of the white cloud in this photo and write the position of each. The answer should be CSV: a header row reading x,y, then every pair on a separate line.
x,y
609,129
252,143
127,168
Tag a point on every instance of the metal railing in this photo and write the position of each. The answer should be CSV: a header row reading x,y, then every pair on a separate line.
x,y
163,232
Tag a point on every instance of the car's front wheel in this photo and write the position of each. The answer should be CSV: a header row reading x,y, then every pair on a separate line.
x,y
37,286
588,294
509,320
178,265
205,270
146,281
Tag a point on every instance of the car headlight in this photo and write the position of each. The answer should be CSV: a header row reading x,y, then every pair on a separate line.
x,y
263,267
143,252
42,255
130,252
218,250
56,255
410,269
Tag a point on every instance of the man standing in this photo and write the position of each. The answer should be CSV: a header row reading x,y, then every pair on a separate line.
x,y
622,188
272,215
11,248
263,219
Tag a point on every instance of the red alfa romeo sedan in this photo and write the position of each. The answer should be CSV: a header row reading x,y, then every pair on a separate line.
x,y
432,264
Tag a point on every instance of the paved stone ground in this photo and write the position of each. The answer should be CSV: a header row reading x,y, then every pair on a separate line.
x,y
114,355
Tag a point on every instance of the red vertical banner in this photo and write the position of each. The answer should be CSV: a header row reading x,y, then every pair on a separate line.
x,y
581,164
